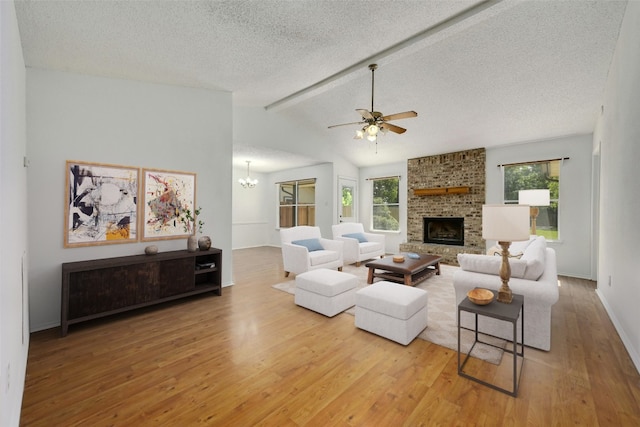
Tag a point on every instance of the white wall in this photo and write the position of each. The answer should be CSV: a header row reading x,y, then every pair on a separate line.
x,y
392,239
618,136
14,307
78,117
251,209
575,213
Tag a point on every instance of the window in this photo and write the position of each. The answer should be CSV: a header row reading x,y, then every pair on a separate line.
x,y
533,176
386,206
297,201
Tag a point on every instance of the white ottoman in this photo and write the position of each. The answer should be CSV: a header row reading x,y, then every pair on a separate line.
x,y
391,310
325,291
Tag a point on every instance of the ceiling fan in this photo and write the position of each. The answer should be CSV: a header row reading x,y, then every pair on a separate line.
x,y
373,121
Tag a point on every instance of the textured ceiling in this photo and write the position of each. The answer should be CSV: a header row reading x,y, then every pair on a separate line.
x,y
478,73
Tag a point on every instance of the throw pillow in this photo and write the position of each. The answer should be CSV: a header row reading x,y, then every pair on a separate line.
x,y
535,258
521,246
359,236
490,265
310,244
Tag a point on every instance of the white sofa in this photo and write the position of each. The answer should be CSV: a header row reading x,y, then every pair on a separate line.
x,y
533,274
358,245
304,249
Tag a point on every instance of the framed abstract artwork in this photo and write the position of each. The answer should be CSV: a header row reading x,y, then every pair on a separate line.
x,y
101,204
168,197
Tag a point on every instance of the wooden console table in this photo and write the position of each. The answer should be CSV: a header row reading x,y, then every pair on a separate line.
x,y
102,287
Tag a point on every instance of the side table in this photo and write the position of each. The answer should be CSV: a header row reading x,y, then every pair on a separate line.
x,y
497,310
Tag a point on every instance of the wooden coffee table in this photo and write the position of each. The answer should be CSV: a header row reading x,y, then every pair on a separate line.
x,y
410,272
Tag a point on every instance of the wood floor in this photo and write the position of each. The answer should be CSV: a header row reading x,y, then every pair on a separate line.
x,y
251,357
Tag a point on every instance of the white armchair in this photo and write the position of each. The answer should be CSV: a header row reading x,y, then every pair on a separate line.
x,y
304,249
358,245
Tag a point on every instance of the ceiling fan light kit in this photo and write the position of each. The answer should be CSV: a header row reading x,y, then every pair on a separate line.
x,y
373,122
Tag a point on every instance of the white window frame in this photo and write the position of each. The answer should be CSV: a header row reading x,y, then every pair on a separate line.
x,y
296,205
374,205
554,200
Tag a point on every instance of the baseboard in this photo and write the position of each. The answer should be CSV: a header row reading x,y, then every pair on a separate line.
x,y
635,357
256,246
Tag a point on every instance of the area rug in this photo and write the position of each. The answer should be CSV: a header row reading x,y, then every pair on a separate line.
x,y
441,313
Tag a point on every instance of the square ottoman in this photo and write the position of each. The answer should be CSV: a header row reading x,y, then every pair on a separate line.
x,y
391,310
325,291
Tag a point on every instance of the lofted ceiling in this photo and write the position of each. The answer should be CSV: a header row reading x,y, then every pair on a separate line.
x,y
479,73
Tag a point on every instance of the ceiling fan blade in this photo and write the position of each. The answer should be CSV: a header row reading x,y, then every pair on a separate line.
x,y
398,116
392,128
346,124
366,114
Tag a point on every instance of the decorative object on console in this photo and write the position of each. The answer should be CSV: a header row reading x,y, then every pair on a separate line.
x,y
168,196
204,243
248,182
151,250
534,198
505,224
192,243
101,204
189,222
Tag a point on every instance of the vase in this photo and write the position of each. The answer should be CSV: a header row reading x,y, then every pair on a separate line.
x,y
204,243
192,244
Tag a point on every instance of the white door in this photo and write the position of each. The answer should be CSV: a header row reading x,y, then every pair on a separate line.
x,y
347,200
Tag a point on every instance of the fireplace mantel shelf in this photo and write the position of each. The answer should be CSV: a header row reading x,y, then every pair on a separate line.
x,y
440,191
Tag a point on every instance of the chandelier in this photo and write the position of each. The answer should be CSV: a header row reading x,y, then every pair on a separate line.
x,y
248,182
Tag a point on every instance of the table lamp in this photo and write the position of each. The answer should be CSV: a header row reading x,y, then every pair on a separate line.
x,y
534,198
505,224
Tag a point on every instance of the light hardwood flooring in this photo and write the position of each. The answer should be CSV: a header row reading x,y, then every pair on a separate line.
x,y
252,357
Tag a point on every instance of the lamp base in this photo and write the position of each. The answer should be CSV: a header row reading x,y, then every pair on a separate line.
x,y
504,293
505,296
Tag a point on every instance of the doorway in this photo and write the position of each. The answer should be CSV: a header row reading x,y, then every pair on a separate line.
x,y
347,200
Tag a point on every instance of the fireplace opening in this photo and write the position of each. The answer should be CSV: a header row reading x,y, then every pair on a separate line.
x,y
444,231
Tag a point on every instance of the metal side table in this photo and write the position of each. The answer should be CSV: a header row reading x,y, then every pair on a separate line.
x,y
497,310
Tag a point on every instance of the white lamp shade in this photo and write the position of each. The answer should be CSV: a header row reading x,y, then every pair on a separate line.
x,y
534,197
505,223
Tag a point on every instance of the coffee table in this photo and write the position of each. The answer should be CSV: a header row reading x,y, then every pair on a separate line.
x,y
410,272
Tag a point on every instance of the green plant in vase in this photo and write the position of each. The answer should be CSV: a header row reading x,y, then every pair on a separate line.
x,y
190,221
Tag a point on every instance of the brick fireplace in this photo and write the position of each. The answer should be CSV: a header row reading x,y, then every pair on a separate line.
x,y
449,188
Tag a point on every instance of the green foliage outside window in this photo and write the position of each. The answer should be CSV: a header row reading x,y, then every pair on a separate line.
x,y
386,207
532,176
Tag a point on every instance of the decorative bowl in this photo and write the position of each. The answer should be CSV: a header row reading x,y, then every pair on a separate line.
x,y
398,258
480,296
